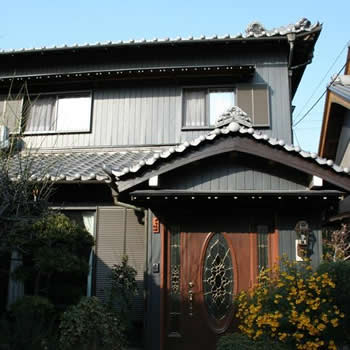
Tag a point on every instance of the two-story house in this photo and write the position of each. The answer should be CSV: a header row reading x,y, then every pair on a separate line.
x,y
177,152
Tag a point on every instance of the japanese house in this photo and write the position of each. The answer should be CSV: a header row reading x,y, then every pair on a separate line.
x,y
177,152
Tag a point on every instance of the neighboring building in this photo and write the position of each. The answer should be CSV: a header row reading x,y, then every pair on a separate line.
x,y
130,133
335,132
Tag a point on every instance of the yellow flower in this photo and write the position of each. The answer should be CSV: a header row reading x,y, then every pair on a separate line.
x,y
321,327
334,322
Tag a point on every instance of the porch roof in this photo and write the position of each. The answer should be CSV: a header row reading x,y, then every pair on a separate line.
x,y
233,137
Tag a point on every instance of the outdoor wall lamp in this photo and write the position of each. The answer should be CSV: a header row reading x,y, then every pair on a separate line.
x,y
306,240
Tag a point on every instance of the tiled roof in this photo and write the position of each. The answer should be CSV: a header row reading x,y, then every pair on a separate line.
x,y
75,165
232,129
93,166
254,31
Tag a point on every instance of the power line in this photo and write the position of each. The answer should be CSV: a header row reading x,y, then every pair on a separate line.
x,y
321,81
296,137
318,100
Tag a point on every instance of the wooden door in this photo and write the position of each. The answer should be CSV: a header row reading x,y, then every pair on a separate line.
x,y
204,272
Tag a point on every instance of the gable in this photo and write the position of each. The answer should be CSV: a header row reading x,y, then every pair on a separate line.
x,y
231,138
234,172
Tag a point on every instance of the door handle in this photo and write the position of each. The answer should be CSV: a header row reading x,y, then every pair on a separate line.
x,y
190,299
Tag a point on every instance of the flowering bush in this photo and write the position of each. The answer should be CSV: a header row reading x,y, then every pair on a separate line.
x,y
291,304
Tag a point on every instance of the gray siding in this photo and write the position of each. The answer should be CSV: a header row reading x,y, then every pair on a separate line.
x,y
232,174
119,232
344,141
153,115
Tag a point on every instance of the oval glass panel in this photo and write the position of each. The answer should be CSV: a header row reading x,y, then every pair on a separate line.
x,y
218,277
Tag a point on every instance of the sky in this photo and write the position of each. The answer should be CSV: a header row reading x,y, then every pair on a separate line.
x,y
36,23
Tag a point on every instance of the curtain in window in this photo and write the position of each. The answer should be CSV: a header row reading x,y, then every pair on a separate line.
x,y
89,223
41,116
194,108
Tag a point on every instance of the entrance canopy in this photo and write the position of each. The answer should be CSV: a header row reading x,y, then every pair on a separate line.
x,y
231,147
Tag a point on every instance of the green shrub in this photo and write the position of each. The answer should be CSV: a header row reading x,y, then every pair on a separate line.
x,y
339,272
91,325
124,287
29,325
56,254
237,341
38,308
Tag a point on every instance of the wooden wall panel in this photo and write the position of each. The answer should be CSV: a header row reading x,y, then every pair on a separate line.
x,y
134,116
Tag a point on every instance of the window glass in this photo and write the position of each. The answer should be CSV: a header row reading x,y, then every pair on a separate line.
x,y
73,113
219,102
202,106
59,113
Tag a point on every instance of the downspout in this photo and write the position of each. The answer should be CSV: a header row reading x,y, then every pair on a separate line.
x,y
115,191
291,41
117,202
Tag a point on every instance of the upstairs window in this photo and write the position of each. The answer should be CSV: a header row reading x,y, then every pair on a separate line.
x,y
11,112
57,113
202,106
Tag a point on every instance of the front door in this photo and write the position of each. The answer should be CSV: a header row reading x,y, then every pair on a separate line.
x,y
204,272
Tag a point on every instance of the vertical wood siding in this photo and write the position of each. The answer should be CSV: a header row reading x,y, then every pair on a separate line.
x,y
223,173
153,115
118,233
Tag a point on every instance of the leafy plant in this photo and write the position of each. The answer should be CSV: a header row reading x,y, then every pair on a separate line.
x,y
339,272
29,325
91,325
237,341
124,287
291,304
52,246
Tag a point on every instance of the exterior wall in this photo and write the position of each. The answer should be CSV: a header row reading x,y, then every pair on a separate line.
x,y
287,235
232,173
152,115
152,321
343,153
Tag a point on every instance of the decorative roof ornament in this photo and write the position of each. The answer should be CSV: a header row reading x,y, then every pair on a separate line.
x,y
255,28
303,23
341,80
234,114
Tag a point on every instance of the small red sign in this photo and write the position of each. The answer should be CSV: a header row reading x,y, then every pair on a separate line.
x,y
155,225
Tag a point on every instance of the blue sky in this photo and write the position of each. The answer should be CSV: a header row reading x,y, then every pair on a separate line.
x,y
35,23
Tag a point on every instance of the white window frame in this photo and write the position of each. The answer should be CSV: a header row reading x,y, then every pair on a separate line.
x,y
62,95
207,90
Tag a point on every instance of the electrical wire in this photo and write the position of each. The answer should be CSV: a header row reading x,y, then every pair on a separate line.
x,y
296,137
321,81
318,100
